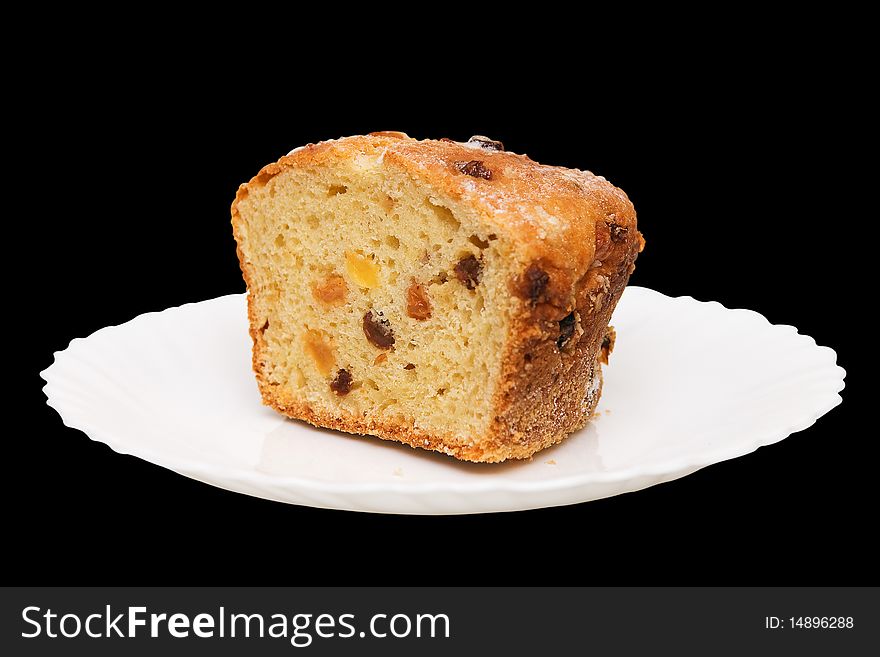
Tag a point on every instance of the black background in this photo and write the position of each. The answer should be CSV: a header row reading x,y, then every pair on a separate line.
x,y
746,194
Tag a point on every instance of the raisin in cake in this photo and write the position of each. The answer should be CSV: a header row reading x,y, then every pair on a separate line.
x,y
447,295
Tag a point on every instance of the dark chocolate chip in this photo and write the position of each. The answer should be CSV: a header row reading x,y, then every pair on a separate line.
x,y
409,366
341,383
418,305
378,330
469,270
474,168
566,330
485,142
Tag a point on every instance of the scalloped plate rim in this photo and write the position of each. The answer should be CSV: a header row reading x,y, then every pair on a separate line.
x,y
666,468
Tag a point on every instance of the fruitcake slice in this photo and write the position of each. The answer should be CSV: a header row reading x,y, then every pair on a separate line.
x,y
451,296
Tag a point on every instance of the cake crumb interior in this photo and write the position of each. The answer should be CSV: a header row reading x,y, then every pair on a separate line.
x,y
377,298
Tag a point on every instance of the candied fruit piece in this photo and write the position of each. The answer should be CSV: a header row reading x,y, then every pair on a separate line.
x,y
418,305
331,291
362,270
317,346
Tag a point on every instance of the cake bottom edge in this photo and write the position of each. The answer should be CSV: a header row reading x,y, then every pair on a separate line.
x,y
496,446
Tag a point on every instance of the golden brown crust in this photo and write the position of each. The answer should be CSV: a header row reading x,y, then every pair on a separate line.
x,y
551,211
491,449
577,241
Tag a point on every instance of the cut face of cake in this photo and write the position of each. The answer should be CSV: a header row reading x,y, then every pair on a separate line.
x,y
450,296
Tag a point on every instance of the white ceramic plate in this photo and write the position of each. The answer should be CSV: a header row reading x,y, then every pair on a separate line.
x,y
690,384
